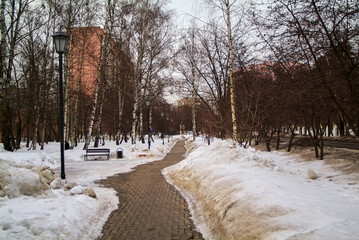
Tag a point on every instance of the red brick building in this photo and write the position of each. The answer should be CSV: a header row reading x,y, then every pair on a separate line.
x,y
85,55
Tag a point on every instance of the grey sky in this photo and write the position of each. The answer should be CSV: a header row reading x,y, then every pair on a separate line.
x,y
184,10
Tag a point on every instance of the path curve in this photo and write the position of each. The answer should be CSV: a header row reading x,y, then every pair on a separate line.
x,y
149,207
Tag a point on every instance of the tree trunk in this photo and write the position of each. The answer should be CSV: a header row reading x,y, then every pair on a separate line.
x,y
142,138
321,146
134,119
100,70
230,68
121,101
99,115
3,38
77,99
67,94
138,78
194,127
278,139
292,135
268,139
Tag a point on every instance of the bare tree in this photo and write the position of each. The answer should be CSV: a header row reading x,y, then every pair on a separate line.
x,y
13,23
327,28
148,25
226,8
102,63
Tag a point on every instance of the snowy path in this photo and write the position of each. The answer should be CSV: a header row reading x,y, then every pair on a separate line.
x,y
149,207
31,209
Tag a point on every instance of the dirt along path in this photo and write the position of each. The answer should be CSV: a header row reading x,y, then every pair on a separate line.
x,y
149,207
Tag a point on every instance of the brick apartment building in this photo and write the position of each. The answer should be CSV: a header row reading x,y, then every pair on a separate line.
x,y
85,55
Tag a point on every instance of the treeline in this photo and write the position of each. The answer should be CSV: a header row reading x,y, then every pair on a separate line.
x,y
295,67
251,71
129,54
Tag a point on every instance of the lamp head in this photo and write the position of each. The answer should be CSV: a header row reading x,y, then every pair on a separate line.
x,y
60,41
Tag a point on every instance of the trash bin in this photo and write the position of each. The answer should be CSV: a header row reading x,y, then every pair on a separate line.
x,y
119,153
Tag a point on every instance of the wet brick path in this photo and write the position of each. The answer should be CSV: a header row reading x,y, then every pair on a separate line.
x,y
149,208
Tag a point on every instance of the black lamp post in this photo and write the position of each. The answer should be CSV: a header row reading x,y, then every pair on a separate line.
x,y
163,135
60,41
148,105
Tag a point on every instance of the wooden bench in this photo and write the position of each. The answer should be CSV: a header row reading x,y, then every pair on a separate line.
x,y
94,152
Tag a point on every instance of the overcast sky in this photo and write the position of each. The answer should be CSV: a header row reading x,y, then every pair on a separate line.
x,y
184,10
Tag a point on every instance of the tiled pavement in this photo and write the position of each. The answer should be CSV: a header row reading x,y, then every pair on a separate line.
x,y
149,207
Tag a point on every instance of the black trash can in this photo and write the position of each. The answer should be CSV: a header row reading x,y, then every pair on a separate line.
x,y
119,153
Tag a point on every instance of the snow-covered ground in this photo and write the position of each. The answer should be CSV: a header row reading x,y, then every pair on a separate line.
x,y
249,194
36,204
233,193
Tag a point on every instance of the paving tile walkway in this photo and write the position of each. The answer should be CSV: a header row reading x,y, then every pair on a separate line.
x,y
149,208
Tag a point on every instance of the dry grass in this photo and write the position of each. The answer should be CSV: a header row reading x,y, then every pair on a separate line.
x,y
228,219
242,218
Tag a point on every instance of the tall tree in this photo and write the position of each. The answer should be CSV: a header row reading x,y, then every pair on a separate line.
x,y
326,28
103,61
13,22
148,25
225,6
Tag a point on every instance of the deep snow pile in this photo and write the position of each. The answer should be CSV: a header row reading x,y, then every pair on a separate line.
x,y
36,204
248,194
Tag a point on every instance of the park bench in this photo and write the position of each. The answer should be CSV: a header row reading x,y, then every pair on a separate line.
x,y
97,152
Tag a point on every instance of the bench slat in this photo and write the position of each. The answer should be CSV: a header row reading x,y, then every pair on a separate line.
x,y
97,152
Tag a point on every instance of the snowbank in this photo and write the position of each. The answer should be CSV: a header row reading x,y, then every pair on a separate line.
x,y
36,204
248,194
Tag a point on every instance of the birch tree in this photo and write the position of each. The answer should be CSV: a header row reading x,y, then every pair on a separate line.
x,y
193,84
119,77
102,62
185,64
230,69
47,71
72,14
107,57
142,35
149,27
225,6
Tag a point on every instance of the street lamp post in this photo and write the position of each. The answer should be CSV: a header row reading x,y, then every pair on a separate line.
x,y
148,105
60,41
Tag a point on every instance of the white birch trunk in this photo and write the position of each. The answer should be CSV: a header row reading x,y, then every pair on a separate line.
x,y
134,120
107,37
104,47
233,104
99,115
36,127
67,89
78,88
194,127
141,125
121,102
138,72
